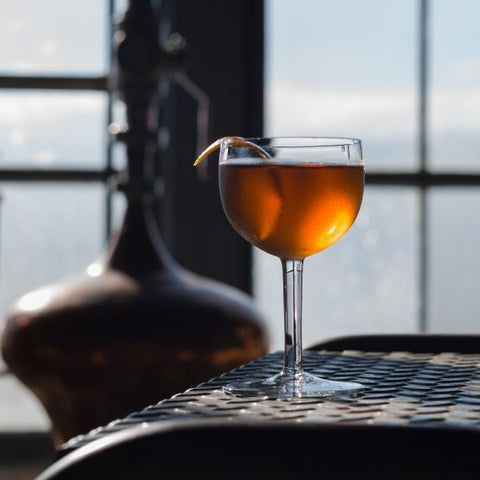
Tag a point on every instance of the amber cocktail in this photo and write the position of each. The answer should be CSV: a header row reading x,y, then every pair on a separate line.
x,y
288,210
292,198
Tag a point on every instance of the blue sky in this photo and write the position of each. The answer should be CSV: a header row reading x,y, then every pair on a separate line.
x,y
371,42
337,43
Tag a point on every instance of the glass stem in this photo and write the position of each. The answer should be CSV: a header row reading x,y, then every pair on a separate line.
x,y
292,303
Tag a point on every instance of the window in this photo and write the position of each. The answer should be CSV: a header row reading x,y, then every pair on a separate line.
x,y
403,77
54,158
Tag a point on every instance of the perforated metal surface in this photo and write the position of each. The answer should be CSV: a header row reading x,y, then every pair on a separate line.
x,y
404,389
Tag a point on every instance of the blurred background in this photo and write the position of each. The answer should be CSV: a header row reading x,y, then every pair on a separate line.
x,y
403,76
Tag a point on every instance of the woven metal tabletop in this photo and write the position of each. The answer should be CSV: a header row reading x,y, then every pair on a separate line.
x,y
402,388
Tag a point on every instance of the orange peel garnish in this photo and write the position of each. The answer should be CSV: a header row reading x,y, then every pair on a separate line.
x,y
231,140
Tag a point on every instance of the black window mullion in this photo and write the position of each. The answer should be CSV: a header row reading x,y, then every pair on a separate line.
x,y
224,58
109,118
42,82
423,159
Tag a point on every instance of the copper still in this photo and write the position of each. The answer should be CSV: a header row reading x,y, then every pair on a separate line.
x,y
135,327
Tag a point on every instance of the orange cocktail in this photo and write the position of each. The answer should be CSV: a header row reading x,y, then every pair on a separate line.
x,y
290,210
291,197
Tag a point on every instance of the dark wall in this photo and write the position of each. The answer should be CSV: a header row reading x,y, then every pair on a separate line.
x,y
224,57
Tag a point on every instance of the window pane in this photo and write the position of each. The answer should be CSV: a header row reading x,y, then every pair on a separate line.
x,y
53,37
454,235
52,129
20,410
455,77
119,207
49,231
366,283
345,68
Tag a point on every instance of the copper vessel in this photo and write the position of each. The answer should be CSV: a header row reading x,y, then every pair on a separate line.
x,y
135,327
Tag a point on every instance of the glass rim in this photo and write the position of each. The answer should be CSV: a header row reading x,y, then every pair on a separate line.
x,y
313,141
315,150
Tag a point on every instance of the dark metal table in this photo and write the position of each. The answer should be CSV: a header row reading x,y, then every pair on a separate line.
x,y
425,407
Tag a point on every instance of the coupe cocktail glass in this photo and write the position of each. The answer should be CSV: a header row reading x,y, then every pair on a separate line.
x,y
291,197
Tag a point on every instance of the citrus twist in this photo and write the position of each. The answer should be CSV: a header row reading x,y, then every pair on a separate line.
x,y
230,141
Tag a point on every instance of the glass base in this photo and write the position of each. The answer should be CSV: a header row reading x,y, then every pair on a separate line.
x,y
293,385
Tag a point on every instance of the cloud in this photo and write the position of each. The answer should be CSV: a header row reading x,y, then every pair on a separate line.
x,y
29,110
466,69
300,110
385,119
456,109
